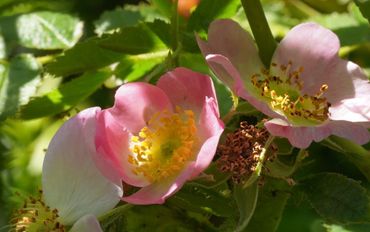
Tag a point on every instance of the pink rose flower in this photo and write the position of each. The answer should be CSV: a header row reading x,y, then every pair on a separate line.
x,y
158,137
308,90
74,192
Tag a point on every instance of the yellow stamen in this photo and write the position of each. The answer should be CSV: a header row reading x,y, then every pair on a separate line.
x,y
35,216
163,147
283,92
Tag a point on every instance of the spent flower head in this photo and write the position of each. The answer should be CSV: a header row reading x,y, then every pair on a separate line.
x,y
240,153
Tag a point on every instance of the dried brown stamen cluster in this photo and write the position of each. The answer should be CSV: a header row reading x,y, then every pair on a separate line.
x,y
241,151
36,216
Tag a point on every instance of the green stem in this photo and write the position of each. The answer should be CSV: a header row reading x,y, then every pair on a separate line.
x,y
358,155
175,30
261,30
262,159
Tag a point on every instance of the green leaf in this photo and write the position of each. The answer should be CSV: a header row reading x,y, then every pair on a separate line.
x,y
346,37
65,97
337,198
163,6
246,200
200,199
162,30
135,67
2,48
117,18
133,40
139,41
209,10
364,6
272,199
150,218
357,154
18,82
43,30
83,57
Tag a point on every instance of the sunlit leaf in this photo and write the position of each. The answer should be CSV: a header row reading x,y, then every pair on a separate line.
x,y
43,30
65,97
364,6
2,47
83,57
133,40
18,82
117,18
209,10
139,41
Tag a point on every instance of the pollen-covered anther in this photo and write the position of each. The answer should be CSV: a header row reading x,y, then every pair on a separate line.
x,y
36,216
282,88
240,153
162,148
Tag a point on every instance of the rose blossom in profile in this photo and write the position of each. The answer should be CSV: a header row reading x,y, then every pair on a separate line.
x,y
74,192
308,90
158,137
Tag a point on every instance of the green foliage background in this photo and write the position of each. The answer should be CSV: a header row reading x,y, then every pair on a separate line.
x,y
58,57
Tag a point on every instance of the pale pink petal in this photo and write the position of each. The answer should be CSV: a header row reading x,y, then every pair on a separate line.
x,y
226,72
209,122
352,131
349,93
300,137
187,89
238,88
157,193
210,129
112,144
312,47
87,223
229,39
135,103
71,182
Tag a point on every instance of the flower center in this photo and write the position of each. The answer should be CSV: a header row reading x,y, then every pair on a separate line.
x,y
282,88
162,148
36,216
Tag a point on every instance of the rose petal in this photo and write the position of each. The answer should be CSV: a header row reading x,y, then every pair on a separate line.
x,y
312,47
87,223
135,103
210,128
300,137
209,122
349,93
187,89
351,131
112,144
228,38
71,182
238,88
157,193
